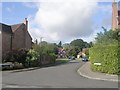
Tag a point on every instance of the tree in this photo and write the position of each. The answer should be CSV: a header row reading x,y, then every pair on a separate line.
x,y
66,46
71,50
79,43
43,43
107,37
46,51
36,41
60,44
90,44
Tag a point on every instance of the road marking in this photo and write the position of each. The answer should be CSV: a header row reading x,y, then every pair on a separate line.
x,y
18,86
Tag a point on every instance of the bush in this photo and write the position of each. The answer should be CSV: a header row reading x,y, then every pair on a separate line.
x,y
16,56
108,56
41,55
18,65
106,51
53,57
32,58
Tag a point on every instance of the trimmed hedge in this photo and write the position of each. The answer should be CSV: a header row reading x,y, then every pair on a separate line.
x,y
108,56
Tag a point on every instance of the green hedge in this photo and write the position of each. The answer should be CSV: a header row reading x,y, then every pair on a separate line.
x,y
108,56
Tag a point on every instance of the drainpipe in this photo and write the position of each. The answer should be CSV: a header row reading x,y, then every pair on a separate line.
x,y
11,41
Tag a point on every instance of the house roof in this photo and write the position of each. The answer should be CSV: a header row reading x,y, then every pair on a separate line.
x,y
15,26
12,28
6,28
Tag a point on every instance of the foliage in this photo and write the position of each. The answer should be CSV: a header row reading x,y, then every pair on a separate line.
x,y
106,51
43,43
50,48
76,46
108,56
66,46
60,44
52,57
16,56
32,58
46,51
73,51
91,44
107,37
80,43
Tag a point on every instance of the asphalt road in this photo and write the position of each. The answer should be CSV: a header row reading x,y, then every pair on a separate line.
x,y
60,76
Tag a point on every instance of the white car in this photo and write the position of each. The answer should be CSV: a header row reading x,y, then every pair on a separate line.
x,y
8,65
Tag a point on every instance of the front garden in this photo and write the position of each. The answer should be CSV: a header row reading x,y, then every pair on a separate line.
x,y
106,52
38,56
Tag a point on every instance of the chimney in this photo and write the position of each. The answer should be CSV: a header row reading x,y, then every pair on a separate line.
x,y
114,15
26,24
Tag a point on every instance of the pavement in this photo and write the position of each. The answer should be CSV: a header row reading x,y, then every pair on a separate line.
x,y
85,71
22,70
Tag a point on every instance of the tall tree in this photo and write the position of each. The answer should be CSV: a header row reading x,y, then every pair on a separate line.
x,y
60,44
79,43
107,37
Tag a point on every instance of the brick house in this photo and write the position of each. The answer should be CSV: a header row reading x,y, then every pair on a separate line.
x,y
115,15
15,37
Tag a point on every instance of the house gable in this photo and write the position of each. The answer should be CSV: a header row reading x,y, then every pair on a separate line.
x,y
19,38
15,37
16,26
6,32
6,28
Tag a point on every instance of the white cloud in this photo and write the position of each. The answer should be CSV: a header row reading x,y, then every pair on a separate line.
x,y
58,20
64,20
29,4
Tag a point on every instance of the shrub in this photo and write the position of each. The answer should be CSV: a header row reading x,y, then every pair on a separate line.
x,y
32,58
53,57
18,65
41,54
16,56
106,51
108,56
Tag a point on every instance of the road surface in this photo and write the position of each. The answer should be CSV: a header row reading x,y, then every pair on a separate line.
x,y
59,76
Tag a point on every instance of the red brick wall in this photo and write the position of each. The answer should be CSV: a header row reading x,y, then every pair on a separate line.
x,y
28,41
18,39
21,39
6,39
114,16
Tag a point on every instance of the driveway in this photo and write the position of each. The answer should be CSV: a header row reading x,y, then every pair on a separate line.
x,y
60,76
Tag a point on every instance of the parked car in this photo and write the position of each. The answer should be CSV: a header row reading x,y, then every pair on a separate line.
x,y
84,59
71,57
5,66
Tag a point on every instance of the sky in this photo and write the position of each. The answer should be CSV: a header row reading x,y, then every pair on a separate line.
x,y
60,20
